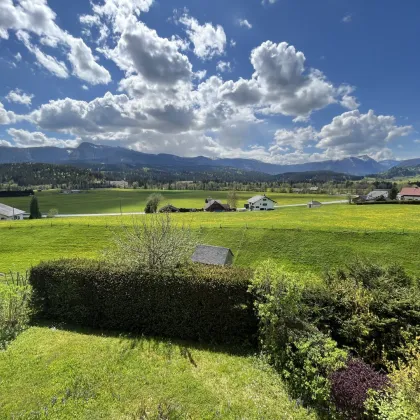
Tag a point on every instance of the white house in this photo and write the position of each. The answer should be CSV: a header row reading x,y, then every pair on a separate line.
x,y
260,202
314,189
409,194
10,213
373,195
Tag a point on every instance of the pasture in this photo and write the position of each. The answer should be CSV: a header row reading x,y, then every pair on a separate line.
x,y
109,200
299,238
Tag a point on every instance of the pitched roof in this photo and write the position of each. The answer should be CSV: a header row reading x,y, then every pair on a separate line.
x,y
410,191
207,254
211,202
259,197
10,211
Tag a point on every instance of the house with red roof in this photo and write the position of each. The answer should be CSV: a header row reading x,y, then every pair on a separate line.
x,y
408,193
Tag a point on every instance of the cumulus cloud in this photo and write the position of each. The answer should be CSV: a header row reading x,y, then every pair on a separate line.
x,y
347,19
208,40
141,50
18,57
353,133
19,97
36,17
5,143
297,138
244,23
6,117
223,67
23,138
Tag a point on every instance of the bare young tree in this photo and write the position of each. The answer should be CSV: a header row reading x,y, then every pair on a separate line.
x,y
153,203
154,241
232,199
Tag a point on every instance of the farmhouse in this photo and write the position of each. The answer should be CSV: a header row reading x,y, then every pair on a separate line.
x,y
212,255
408,194
169,208
10,213
260,202
375,194
314,189
216,206
314,204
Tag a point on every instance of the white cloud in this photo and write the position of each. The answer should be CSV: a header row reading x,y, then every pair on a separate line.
x,y
23,138
141,50
232,43
208,40
244,23
84,87
37,18
6,117
18,57
223,67
347,19
353,133
5,143
269,1
297,138
19,97
201,74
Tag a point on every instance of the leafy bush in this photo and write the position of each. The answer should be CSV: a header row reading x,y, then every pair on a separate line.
x,y
350,387
301,354
371,310
15,295
401,401
195,302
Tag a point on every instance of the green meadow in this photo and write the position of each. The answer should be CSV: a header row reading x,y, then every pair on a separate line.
x,y
53,373
109,200
299,238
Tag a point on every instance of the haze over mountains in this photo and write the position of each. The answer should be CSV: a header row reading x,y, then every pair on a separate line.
x,y
88,153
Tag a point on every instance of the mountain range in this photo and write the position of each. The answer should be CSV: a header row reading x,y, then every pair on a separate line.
x,y
89,153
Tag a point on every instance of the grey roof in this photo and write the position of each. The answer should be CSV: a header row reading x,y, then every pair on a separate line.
x,y
317,203
211,202
215,255
9,211
259,197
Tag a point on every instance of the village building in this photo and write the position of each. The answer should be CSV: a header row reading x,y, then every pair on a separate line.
x,y
10,213
409,194
212,255
260,202
118,184
314,189
169,208
314,204
375,194
216,206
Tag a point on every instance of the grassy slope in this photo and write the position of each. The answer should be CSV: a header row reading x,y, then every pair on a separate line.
x,y
301,239
108,201
69,375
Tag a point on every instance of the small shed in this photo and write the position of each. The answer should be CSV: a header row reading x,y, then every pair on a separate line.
x,y
216,205
314,204
212,255
169,208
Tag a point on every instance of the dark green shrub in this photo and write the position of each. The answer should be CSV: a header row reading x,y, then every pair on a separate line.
x,y
300,353
205,303
371,310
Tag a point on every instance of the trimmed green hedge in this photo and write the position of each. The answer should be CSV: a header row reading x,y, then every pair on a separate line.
x,y
209,304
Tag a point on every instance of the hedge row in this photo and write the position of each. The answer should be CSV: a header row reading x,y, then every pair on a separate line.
x,y
209,304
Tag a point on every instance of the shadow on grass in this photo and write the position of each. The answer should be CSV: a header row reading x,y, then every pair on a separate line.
x,y
184,345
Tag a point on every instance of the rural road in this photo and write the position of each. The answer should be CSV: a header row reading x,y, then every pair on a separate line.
x,y
141,212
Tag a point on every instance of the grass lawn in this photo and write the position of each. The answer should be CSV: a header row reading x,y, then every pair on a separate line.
x,y
62,374
300,238
108,201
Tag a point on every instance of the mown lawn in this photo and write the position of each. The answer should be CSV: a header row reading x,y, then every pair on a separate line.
x,y
108,200
300,238
60,374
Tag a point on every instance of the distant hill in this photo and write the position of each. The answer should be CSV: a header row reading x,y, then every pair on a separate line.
x,y
98,154
405,170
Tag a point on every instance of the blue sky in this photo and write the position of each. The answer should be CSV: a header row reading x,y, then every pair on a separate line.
x,y
283,81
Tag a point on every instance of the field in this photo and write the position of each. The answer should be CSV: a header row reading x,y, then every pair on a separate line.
x,y
72,375
300,238
108,201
